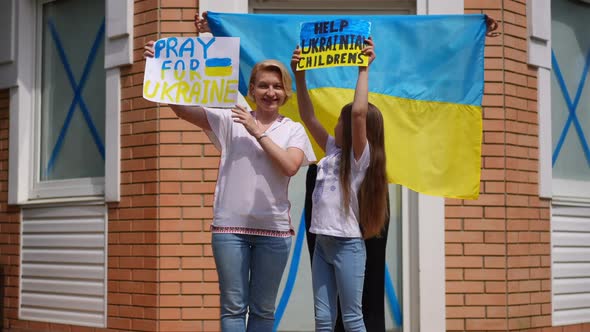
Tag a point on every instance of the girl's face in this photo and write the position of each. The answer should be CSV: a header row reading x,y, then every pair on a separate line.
x,y
338,132
268,91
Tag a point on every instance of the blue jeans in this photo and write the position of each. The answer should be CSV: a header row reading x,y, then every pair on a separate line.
x,y
338,271
250,268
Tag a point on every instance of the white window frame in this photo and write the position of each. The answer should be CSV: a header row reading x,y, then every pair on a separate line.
x,y
427,211
539,53
42,190
23,91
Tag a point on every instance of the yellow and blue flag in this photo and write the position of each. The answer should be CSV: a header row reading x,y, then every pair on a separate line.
x,y
427,81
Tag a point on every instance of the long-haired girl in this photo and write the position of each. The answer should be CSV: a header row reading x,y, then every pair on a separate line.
x,y
349,199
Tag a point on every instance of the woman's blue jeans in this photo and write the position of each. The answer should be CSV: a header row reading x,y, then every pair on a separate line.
x,y
250,268
338,271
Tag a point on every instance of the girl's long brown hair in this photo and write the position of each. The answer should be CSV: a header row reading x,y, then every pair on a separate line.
x,y
372,195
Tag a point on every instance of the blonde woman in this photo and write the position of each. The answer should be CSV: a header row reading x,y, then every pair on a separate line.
x,y
251,230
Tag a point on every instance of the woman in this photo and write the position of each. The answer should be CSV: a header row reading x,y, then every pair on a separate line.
x,y
251,230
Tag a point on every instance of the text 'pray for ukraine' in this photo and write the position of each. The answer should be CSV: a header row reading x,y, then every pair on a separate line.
x,y
193,71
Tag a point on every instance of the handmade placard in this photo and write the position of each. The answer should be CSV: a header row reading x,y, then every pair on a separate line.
x,y
333,43
193,71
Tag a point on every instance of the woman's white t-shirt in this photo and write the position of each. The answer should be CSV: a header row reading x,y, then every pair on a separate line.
x,y
251,192
328,216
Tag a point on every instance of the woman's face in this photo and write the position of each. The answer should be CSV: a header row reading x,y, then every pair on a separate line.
x,y
268,91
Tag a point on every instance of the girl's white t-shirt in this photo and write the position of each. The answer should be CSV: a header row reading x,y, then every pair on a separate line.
x,y
251,192
328,216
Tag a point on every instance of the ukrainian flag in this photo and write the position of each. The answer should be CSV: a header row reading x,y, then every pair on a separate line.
x,y
427,80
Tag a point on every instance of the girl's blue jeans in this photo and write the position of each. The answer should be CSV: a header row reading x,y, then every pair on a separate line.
x,y
338,270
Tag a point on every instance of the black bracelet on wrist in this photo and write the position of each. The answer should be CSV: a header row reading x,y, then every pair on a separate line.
x,y
261,137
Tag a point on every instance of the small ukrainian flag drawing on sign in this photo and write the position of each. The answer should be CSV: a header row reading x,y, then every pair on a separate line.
x,y
218,67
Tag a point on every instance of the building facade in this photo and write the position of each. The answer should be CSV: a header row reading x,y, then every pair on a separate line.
x,y
106,198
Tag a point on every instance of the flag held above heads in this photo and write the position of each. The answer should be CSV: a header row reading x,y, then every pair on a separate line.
x,y
427,80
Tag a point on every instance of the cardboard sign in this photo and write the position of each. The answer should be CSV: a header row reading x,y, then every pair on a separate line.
x,y
193,71
333,43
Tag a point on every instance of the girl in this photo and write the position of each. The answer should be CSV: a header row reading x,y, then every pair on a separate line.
x,y
349,199
251,230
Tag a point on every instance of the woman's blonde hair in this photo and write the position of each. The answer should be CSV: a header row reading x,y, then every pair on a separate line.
x,y
273,66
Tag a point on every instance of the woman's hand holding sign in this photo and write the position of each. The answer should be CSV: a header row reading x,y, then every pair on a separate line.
x,y
201,23
148,49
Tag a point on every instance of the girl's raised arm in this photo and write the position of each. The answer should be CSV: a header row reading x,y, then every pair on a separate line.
x,y
306,111
360,104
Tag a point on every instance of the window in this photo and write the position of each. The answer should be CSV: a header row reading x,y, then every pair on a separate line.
x,y
70,108
61,64
570,128
570,100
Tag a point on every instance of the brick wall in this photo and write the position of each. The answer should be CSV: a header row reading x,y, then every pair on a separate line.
x,y
9,229
133,222
169,170
186,175
498,273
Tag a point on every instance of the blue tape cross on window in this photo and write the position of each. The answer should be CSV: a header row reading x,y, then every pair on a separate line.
x,y
77,88
572,107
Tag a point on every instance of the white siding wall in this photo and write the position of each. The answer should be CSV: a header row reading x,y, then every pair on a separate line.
x,y
63,265
570,258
